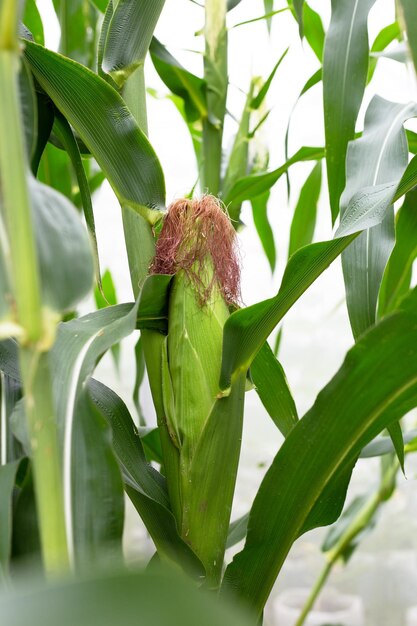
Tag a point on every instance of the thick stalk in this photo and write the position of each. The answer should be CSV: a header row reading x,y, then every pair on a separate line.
x,y
358,524
27,296
215,76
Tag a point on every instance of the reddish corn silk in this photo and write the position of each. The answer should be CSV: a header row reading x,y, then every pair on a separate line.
x,y
195,234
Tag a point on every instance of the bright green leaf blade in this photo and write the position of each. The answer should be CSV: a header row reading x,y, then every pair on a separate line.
x,y
305,213
33,21
7,480
129,36
253,185
345,67
261,95
313,30
144,485
269,6
383,147
350,411
387,35
64,250
179,81
408,9
106,296
263,227
397,277
121,149
101,5
272,387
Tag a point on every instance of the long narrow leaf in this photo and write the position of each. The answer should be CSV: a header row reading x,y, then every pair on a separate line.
x,y
345,67
409,15
122,150
304,219
350,411
383,147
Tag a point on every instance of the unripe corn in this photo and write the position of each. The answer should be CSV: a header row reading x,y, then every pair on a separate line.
x,y
197,244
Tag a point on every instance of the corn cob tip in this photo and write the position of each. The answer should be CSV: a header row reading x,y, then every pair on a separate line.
x,y
196,233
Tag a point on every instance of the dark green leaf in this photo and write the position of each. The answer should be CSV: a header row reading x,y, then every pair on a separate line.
x,y
304,219
121,149
345,67
396,434
128,37
29,110
272,388
349,412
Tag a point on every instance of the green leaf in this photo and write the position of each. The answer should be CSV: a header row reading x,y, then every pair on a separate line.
x,y
101,5
272,388
246,330
253,185
33,21
106,296
384,445
263,227
397,277
396,435
387,35
313,30
64,252
7,481
383,147
93,522
179,81
66,136
55,170
140,373
128,37
313,80
349,412
269,7
261,95
237,530
77,19
304,219
345,67
408,14
29,110
119,146
144,485
119,597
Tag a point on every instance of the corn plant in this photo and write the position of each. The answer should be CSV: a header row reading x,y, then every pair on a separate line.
x,y
69,447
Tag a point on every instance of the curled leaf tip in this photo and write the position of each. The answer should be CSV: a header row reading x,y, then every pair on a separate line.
x,y
198,238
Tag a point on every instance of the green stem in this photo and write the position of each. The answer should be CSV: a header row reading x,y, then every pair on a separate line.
x,y
215,76
27,295
39,407
358,524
